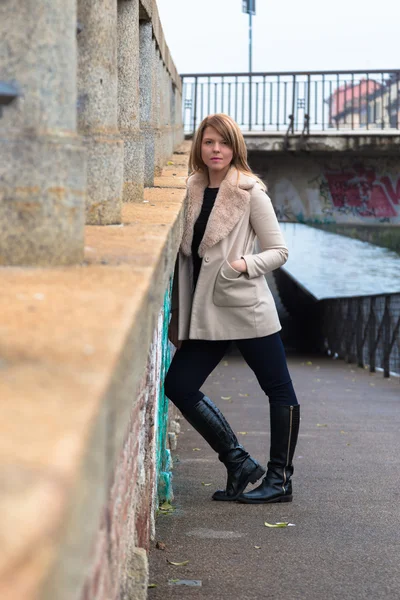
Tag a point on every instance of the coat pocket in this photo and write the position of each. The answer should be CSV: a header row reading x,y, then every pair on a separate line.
x,y
234,289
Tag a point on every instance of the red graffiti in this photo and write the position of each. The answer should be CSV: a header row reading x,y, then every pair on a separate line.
x,y
359,190
394,195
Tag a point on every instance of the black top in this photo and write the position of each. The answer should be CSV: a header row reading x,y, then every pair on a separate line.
x,y
199,228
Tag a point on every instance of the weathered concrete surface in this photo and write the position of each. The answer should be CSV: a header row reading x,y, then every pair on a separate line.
x,y
148,86
129,69
73,348
312,188
373,141
345,543
98,110
42,162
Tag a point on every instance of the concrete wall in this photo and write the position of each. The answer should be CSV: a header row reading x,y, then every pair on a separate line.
x,y
140,481
84,458
85,430
332,189
98,115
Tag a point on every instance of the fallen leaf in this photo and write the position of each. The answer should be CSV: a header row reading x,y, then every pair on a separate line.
x,y
257,547
178,564
322,425
309,362
160,545
242,432
225,363
226,397
205,484
348,444
343,431
279,525
243,395
167,507
152,585
170,162
196,449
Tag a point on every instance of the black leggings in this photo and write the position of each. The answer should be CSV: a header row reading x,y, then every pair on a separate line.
x,y
196,359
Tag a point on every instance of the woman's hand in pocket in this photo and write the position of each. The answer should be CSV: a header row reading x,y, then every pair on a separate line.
x,y
239,265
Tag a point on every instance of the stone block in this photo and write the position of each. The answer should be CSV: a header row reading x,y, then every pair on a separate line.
x,y
134,166
42,198
105,157
42,164
172,440
136,576
98,109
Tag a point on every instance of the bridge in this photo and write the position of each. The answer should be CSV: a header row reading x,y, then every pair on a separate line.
x,y
302,103
93,165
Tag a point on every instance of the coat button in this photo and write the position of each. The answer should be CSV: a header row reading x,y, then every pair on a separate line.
x,y
206,259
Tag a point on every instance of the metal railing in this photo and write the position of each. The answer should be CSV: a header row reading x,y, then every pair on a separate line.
x,y
364,330
298,102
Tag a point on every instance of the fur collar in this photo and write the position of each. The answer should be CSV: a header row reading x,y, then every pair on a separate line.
x,y
232,200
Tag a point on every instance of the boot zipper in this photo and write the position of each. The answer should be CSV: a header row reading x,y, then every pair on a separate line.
x,y
288,450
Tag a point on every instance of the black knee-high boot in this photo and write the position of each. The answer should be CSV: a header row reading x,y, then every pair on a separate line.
x,y
208,420
276,485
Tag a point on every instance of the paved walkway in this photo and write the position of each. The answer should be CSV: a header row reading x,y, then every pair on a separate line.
x,y
346,508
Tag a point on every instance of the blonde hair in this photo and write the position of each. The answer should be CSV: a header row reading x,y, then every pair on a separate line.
x,y
230,131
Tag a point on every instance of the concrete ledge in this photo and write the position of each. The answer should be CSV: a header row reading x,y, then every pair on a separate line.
x,y
66,338
371,142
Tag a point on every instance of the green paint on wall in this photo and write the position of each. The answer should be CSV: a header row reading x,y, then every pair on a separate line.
x,y
164,461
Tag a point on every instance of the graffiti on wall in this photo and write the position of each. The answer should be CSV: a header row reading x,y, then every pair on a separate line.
x,y
340,191
361,191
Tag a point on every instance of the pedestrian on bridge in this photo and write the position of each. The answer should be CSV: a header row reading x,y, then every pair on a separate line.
x,y
220,294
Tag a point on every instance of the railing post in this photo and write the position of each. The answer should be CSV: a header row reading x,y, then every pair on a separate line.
x,y
307,117
349,331
359,334
294,102
386,338
371,336
250,100
194,104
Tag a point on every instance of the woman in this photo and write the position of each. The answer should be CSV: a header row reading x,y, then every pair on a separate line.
x,y
220,294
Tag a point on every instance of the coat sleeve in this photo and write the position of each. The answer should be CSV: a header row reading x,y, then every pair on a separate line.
x,y
274,252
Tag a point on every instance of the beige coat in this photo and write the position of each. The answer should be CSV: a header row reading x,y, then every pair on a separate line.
x,y
226,304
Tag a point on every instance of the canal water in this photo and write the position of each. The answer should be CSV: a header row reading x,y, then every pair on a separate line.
x,y
329,265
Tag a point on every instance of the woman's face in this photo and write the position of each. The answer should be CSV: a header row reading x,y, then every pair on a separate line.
x,y
215,152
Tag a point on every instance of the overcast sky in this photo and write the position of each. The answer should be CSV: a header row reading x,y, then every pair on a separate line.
x,y
212,35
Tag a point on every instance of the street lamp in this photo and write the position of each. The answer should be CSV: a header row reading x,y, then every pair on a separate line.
x,y
249,7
